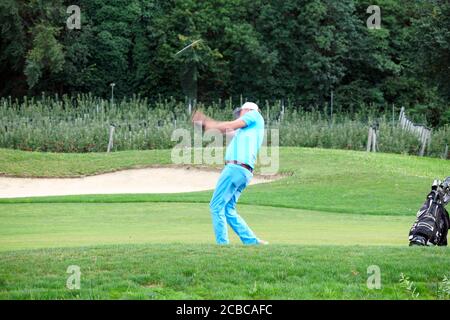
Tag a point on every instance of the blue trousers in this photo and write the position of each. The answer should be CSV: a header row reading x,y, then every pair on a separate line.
x,y
232,182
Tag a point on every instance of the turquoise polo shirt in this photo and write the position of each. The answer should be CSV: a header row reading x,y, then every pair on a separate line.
x,y
247,141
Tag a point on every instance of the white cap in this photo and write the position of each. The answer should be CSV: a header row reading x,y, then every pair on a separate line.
x,y
250,106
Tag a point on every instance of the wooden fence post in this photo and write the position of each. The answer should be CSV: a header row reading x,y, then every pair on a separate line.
x,y
190,106
422,147
332,105
422,132
445,155
425,140
374,140
111,137
369,139
429,140
402,114
393,115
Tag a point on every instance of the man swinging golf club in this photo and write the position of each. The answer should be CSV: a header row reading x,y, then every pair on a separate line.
x,y
240,160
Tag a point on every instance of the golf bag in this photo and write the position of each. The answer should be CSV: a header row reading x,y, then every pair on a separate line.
x,y
432,223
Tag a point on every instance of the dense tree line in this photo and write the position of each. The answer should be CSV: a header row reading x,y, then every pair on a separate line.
x,y
264,49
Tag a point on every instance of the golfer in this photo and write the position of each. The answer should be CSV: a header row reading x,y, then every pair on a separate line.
x,y
240,158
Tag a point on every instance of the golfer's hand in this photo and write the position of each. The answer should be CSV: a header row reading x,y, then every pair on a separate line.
x,y
198,117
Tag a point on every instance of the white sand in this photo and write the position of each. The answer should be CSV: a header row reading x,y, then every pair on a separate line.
x,y
149,180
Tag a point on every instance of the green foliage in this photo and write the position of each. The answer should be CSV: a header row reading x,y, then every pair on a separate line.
x,y
409,286
431,38
12,46
443,291
46,54
81,124
300,50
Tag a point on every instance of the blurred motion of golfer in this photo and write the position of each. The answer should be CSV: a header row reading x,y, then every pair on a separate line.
x,y
240,159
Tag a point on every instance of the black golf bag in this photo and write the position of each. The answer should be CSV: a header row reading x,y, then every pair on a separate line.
x,y
432,223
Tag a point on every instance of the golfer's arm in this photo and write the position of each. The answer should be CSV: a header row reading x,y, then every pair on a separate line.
x,y
224,126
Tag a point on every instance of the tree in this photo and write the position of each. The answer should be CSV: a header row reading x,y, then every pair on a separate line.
x,y
46,56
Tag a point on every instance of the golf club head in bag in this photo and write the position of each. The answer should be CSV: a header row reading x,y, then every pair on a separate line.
x,y
432,222
446,189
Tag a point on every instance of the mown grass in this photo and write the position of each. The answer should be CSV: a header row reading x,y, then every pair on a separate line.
x,y
48,164
322,180
28,226
336,214
186,271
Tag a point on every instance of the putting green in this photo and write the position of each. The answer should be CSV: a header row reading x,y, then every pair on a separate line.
x,y
28,226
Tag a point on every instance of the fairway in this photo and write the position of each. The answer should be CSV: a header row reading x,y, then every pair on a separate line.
x,y
332,215
27,226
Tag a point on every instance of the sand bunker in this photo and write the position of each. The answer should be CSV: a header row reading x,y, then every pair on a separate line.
x,y
149,180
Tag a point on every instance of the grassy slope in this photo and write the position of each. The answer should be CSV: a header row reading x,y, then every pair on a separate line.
x,y
331,181
323,180
41,164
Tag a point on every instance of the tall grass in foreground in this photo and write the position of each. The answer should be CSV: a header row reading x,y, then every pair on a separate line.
x,y
81,124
